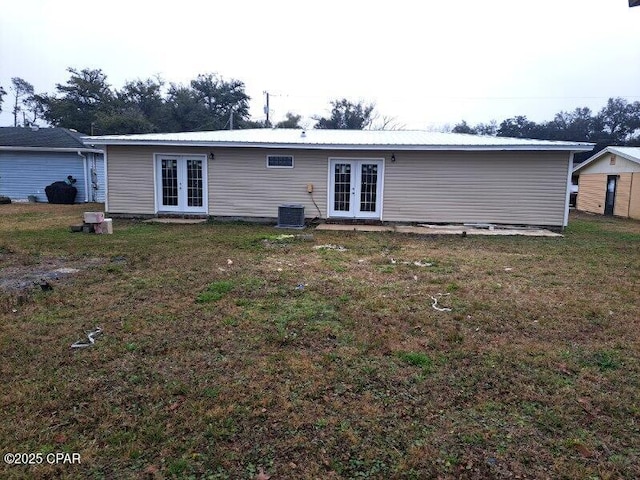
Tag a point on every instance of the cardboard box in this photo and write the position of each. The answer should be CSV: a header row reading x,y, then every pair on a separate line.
x,y
93,217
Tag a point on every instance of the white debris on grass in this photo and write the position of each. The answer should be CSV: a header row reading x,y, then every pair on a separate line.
x,y
417,263
329,246
422,264
435,306
91,336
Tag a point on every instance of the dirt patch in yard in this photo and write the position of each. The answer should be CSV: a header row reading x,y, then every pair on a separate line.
x,y
21,274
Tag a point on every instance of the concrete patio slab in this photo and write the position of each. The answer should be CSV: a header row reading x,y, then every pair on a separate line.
x,y
183,221
441,230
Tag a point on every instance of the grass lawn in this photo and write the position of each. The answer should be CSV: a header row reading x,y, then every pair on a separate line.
x,y
228,351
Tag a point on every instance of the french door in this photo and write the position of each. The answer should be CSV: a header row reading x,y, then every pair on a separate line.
x,y
181,183
355,188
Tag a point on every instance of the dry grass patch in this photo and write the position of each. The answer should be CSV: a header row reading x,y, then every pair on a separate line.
x,y
227,349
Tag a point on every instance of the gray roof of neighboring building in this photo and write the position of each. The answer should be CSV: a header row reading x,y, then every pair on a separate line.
x,y
338,139
630,153
26,138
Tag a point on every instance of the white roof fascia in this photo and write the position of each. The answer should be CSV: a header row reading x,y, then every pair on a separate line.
x,y
571,147
49,149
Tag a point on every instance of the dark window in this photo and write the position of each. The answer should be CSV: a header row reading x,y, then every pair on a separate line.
x,y
279,161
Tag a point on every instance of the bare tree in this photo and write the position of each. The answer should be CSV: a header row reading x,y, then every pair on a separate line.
x,y
386,122
22,90
3,92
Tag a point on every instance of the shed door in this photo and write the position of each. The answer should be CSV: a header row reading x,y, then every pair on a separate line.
x,y
181,185
355,188
610,198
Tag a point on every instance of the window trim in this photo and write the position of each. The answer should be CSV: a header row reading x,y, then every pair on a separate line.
x,y
281,166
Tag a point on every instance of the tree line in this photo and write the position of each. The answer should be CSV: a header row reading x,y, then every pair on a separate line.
x,y
617,123
89,104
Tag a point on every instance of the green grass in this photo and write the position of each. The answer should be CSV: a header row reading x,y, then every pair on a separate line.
x,y
215,291
417,359
214,362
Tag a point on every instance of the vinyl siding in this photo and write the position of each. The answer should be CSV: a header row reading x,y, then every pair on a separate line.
x,y
29,173
497,187
634,203
470,187
591,192
623,190
131,183
240,184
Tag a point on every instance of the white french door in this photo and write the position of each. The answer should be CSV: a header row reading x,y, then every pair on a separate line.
x,y
181,183
355,188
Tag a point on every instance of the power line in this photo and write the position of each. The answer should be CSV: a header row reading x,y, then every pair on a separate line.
x,y
471,97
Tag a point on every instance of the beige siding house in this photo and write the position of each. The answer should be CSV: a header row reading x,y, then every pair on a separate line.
x,y
609,182
395,176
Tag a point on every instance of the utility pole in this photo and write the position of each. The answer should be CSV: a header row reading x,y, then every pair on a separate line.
x,y
266,110
231,120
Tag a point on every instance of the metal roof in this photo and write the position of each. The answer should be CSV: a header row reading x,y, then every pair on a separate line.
x,y
630,153
42,139
338,139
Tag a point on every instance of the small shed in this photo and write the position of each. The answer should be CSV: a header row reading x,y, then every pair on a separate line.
x,y
31,158
609,182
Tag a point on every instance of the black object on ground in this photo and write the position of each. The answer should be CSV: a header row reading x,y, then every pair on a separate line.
x,y
61,193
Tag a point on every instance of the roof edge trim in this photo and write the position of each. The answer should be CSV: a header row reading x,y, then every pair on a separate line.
x,y
51,149
573,147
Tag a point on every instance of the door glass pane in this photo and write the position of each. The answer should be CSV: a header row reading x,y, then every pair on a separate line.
x,y
611,190
169,182
342,187
368,187
194,183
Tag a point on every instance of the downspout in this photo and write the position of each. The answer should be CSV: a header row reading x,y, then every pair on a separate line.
x,y
86,183
93,176
106,178
568,193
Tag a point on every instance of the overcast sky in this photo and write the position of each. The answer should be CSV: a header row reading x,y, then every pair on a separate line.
x,y
426,63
